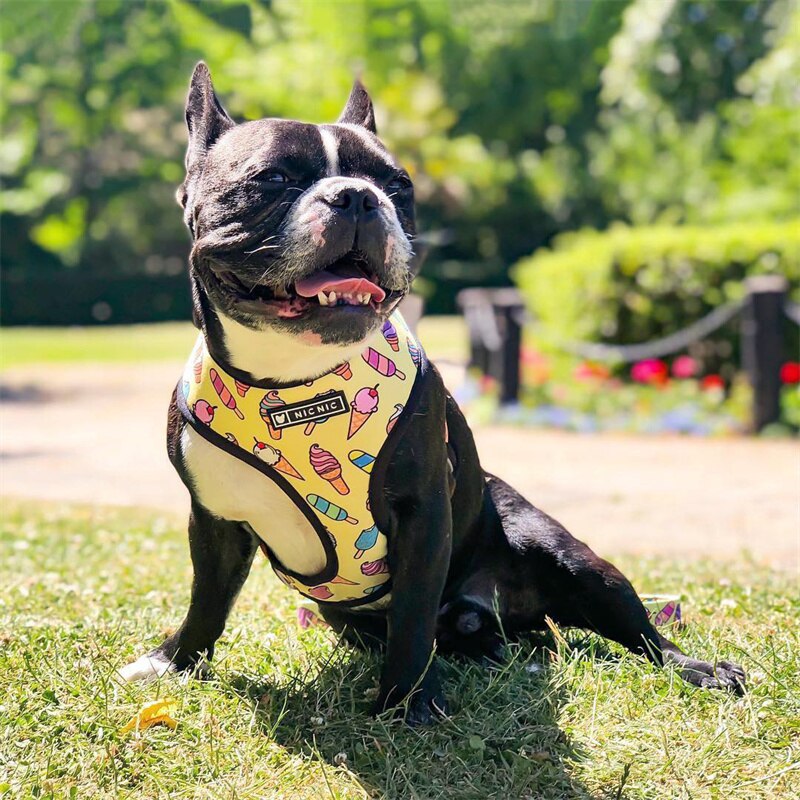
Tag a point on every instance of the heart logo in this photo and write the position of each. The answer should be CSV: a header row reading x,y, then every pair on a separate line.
x,y
280,418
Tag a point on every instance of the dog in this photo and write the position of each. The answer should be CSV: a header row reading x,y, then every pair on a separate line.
x,y
302,240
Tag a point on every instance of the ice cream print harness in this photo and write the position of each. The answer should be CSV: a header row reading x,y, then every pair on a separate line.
x,y
325,443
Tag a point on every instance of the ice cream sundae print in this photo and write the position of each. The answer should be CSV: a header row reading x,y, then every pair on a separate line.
x,y
269,455
326,465
363,406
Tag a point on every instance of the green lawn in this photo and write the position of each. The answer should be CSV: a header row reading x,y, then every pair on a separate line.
x,y
84,590
444,337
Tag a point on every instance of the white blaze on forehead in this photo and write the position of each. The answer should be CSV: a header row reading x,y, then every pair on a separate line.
x,y
331,151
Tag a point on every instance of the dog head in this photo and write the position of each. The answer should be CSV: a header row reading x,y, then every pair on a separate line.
x,y
303,228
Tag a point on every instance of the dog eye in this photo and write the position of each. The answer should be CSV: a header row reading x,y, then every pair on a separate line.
x,y
399,183
271,176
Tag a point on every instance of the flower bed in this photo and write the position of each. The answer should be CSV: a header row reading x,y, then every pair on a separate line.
x,y
651,396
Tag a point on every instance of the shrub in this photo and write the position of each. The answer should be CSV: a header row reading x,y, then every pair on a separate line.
x,y
630,285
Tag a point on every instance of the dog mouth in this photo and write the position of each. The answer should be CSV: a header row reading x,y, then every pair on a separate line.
x,y
346,283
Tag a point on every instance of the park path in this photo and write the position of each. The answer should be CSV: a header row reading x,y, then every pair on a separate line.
x,y
96,434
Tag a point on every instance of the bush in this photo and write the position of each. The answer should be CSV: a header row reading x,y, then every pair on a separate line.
x,y
630,285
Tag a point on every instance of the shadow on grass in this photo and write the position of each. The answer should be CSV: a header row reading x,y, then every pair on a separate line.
x,y
502,739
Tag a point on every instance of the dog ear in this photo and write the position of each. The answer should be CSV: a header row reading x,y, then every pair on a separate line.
x,y
206,119
358,110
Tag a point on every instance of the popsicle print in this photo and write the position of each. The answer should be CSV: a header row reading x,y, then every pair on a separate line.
x,y
364,461
366,540
224,393
381,364
329,509
321,592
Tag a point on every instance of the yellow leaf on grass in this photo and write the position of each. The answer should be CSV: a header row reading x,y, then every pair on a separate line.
x,y
157,713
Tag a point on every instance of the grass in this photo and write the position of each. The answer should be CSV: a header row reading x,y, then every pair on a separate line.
x,y
444,337
84,590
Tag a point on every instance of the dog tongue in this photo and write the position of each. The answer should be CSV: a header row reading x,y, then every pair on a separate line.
x,y
325,281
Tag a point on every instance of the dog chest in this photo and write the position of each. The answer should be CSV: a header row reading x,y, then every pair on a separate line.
x,y
231,489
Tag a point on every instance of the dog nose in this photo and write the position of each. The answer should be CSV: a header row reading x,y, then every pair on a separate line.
x,y
354,201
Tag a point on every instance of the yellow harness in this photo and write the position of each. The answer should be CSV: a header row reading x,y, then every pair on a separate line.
x,y
326,443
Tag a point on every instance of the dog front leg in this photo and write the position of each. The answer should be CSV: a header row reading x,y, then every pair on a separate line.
x,y
222,553
419,554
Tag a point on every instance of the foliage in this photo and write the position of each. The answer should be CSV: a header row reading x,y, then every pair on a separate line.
x,y
83,590
518,120
630,285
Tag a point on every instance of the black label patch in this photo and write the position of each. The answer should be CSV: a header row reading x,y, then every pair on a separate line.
x,y
317,409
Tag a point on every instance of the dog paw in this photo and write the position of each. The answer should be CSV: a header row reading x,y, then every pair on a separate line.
x,y
424,706
146,668
722,675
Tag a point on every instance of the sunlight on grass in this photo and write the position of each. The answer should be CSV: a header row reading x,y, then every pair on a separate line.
x,y
84,590
443,337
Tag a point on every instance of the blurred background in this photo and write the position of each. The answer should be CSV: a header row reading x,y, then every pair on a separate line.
x,y
623,172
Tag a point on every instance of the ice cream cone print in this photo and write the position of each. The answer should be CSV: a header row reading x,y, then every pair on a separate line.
x,y
204,411
375,567
364,405
398,410
269,401
366,540
241,388
269,455
390,334
344,371
231,438
197,368
327,466
414,352
381,364
343,581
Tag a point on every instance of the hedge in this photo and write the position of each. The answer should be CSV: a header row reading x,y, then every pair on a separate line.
x,y
631,284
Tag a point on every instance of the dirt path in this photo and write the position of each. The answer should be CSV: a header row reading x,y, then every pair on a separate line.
x,y
96,434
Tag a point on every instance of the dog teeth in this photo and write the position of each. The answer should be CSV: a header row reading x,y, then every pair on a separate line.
x,y
365,298
323,300
332,299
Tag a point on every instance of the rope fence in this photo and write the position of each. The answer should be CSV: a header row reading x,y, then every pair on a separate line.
x,y
495,318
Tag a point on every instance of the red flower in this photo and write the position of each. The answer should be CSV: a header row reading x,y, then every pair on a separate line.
x,y
790,372
684,367
651,370
712,382
587,371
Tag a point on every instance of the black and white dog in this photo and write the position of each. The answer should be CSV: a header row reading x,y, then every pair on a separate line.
x,y
270,204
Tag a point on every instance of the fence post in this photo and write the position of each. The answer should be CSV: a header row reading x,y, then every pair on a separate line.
x,y
762,345
508,311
